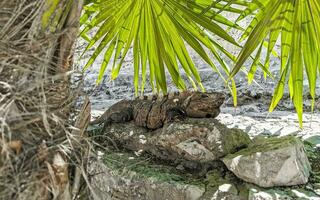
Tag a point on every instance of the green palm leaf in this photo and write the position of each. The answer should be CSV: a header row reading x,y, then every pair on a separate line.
x,y
158,31
297,24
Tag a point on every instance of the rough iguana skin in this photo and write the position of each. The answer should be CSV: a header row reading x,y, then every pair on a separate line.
x,y
155,112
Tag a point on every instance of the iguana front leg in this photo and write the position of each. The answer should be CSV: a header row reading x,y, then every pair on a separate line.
x,y
122,111
124,115
175,114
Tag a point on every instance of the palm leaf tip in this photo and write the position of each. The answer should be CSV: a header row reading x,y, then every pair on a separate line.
x,y
297,23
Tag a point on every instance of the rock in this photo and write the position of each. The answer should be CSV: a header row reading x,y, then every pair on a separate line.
x,y
194,192
317,188
255,194
120,178
304,194
196,140
226,192
314,140
201,140
270,129
271,162
289,130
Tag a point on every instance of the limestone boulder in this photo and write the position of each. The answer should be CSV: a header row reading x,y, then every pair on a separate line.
x,y
197,140
201,140
271,162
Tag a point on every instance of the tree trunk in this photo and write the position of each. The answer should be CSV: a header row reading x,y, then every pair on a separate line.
x,y
36,42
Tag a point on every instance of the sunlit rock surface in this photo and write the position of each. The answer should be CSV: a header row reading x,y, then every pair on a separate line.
x,y
271,162
226,192
197,140
126,176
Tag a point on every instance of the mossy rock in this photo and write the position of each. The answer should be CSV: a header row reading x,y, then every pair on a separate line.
x,y
313,154
123,176
271,162
146,168
267,144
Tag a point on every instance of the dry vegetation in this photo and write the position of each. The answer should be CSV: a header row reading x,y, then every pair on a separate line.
x,y
41,145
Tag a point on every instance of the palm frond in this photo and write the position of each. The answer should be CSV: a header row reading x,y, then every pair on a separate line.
x,y
158,31
297,24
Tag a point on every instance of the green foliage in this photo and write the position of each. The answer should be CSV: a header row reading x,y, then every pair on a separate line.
x,y
157,31
296,24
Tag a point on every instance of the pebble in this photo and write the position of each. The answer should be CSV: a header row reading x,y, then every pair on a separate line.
x,y
289,130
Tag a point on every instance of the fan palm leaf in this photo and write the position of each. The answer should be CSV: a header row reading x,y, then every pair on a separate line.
x,y
295,24
158,31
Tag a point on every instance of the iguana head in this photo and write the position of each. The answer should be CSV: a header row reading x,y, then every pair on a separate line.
x,y
203,104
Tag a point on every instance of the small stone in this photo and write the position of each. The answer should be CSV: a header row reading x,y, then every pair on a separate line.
x,y
272,162
255,194
142,136
248,129
317,191
180,167
304,194
240,126
314,140
226,192
138,153
131,133
194,193
100,154
142,141
228,188
289,130
250,108
273,131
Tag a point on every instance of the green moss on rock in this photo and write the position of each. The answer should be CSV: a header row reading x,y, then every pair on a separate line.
x,y
268,144
313,154
234,138
145,168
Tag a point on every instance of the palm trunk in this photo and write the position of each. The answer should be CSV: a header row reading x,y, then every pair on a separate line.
x,y
36,42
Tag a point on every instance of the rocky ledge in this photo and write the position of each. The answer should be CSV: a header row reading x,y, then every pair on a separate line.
x,y
126,176
203,159
191,143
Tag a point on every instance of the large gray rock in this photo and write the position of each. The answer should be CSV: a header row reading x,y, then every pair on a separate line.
x,y
271,162
196,140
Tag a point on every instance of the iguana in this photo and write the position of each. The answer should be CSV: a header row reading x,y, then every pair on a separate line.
x,y
153,112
